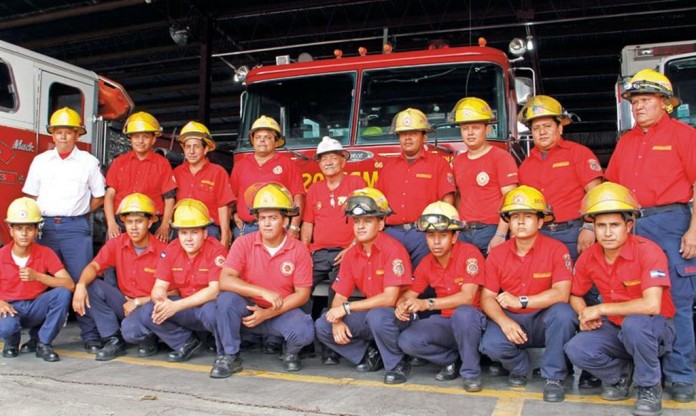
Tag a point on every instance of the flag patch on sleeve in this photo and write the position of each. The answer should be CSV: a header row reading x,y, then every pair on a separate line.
x,y
657,274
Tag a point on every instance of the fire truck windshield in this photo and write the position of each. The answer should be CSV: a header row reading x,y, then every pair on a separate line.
x,y
310,107
682,73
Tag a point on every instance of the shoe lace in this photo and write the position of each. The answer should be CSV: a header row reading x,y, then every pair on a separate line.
x,y
647,394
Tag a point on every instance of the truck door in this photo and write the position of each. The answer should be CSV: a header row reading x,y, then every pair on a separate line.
x,y
58,91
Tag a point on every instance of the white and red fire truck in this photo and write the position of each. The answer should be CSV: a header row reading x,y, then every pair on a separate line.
x,y
32,86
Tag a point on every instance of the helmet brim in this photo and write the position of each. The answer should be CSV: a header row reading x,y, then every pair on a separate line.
x,y
344,153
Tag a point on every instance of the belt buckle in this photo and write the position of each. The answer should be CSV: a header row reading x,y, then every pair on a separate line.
x,y
58,220
407,226
552,227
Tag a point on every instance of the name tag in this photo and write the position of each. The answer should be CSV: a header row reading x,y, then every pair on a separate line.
x,y
628,283
207,182
424,175
203,270
177,269
560,164
541,275
148,270
379,272
663,148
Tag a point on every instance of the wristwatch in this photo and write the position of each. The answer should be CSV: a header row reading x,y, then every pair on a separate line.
x,y
524,301
294,228
431,304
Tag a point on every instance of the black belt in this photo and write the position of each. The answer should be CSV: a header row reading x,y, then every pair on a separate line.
x,y
646,212
405,227
477,225
560,226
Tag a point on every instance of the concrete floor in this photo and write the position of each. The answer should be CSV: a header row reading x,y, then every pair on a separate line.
x,y
78,385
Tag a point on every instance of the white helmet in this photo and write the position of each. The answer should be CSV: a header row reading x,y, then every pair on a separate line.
x,y
329,145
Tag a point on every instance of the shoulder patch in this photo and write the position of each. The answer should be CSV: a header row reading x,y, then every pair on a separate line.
x,y
278,170
568,262
219,261
398,267
450,178
472,266
594,165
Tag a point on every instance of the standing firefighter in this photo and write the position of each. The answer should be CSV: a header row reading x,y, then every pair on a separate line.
x,y
68,185
632,327
27,270
413,180
484,173
656,160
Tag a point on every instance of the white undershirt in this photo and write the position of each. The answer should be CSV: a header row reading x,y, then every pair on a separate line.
x,y
274,250
20,261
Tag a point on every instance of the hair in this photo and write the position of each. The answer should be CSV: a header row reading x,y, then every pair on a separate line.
x,y
144,214
627,216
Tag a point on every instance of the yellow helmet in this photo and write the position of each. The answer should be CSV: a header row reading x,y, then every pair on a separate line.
x,y
606,198
410,119
142,122
439,216
543,106
268,123
136,203
649,81
24,211
191,213
367,202
196,130
525,199
66,117
473,110
270,195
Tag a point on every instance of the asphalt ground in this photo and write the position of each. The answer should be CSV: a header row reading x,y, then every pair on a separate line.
x,y
128,385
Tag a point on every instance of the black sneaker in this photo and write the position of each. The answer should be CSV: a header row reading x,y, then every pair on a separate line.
x,y
649,401
10,351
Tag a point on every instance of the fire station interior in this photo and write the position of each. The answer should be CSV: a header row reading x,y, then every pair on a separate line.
x,y
181,60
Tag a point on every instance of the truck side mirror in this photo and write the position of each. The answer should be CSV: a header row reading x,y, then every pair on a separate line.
x,y
524,89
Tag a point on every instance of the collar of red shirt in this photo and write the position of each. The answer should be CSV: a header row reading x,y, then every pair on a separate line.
x,y
660,123
423,154
537,243
7,255
563,144
206,162
286,246
627,251
147,157
128,244
378,244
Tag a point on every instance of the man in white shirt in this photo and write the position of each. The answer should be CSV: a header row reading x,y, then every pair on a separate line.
x,y
68,185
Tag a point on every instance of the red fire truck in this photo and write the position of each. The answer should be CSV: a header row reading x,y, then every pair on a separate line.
x,y
32,86
354,99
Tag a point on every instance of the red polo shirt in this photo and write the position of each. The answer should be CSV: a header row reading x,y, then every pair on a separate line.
x,y
466,266
411,186
289,268
641,265
210,185
561,175
546,264
325,209
387,265
135,274
659,166
191,275
151,176
479,181
247,171
41,259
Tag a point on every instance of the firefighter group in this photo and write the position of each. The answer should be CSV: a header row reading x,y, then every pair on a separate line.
x,y
442,263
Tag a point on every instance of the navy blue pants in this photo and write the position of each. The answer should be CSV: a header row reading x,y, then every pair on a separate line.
x,y
323,268
413,240
550,328
106,303
379,324
71,240
666,229
175,331
294,326
604,351
479,237
247,228
48,310
443,340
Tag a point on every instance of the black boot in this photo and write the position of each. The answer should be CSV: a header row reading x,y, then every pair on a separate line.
x,y
46,352
148,347
226,365
649,401
186,351
114,346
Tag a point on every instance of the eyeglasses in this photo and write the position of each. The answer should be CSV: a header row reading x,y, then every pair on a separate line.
x,y
437,222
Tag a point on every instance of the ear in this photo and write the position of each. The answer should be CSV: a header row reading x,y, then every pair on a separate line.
x,y
286,221
381,224
560,128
